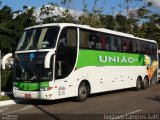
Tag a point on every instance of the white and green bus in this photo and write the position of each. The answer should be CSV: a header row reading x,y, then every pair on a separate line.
x,y
61,60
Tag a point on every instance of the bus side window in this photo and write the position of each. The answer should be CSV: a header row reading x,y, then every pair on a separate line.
x,y
98,40
62,41
114,43
103,42
130,46
143,47
124,45
154,48
148,48
134,46
119,44
138,46
108,44
92,40
71,37
84,38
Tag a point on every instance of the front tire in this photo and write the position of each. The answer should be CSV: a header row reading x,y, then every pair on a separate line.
x,y
83,92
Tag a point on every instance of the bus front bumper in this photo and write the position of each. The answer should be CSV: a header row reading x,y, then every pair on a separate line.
x,y
44,95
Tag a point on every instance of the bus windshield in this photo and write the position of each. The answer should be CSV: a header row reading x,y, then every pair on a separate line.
x,y
30,67
39,38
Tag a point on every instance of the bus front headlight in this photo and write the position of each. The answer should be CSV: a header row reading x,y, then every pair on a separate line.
x,y
15,88
45,88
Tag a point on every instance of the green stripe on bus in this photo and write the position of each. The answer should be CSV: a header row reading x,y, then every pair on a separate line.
x,y
106,58
27,86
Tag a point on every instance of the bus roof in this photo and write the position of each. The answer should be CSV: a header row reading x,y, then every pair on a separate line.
x,y
90,28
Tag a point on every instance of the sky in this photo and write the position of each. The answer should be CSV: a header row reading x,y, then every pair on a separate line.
x,y
18,4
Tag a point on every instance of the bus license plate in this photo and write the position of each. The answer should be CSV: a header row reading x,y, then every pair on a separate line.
x,y
28,96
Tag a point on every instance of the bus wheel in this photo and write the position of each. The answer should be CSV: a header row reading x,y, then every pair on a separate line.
x,y
83,92
145,83
139,84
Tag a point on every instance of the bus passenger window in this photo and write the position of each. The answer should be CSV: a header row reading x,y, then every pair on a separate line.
x,y
91,43
114,44
84,38
148,48
107,42
134,46
130,46
127,45
92,40
124,45
98,41
138,46
62,40
154,48
143,48
119,44
103,42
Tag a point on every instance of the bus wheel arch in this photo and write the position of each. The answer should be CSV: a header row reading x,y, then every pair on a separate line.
x,y
83,91
145,82
139,83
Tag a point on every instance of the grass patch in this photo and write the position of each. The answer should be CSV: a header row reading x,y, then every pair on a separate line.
x,y
6,97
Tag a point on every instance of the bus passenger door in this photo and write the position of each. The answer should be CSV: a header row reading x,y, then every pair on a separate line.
x,y
66,56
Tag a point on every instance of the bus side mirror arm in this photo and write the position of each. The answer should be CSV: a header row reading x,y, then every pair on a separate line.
x,y
5,60
47,59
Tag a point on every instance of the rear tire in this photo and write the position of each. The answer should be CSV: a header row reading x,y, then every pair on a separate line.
x,y
139,84
145,83
83,92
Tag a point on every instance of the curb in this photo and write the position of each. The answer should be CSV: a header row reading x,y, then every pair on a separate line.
x,y
10,102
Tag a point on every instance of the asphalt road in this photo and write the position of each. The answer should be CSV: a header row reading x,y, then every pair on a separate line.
x,y
116,105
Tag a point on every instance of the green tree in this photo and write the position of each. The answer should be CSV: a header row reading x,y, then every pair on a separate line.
x,y
53,13
151,28
11,26
140,22
108,21
6,35
92,18
47,13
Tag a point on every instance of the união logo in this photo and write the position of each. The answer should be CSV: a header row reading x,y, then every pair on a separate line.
x,y
116,59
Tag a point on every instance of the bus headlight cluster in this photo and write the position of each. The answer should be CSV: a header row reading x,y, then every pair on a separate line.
x,y
46,88
15,88
43,89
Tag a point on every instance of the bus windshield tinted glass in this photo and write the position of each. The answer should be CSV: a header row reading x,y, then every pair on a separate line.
x,y
39,38
30,67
